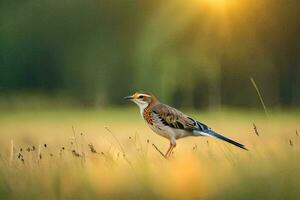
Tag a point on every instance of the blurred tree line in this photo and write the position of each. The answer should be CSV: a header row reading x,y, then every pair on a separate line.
x,y
190,53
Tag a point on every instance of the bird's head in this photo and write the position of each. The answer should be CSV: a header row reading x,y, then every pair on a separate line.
x,y
142,99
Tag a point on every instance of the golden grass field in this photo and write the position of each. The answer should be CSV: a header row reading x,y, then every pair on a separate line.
x,y
109,155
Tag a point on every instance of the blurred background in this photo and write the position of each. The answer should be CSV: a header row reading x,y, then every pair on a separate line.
x,y
195,53
67,133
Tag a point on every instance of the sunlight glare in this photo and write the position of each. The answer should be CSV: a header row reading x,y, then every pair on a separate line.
x,y
217,5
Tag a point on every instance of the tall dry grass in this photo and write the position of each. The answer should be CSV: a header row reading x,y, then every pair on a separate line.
x,y
106,154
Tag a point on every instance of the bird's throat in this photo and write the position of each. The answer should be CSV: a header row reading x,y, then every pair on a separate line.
x,y
142,108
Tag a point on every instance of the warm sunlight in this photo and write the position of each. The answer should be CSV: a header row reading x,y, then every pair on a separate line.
x,y
217,1
150,99
218,4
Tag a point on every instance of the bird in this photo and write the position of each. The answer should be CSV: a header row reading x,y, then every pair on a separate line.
x,y
171,123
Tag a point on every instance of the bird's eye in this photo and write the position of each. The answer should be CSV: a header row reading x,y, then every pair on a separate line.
x,y
141,96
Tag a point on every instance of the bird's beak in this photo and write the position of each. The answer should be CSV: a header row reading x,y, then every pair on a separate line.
x,y
128,97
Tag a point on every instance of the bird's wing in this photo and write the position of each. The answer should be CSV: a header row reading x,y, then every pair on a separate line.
x,y
174,118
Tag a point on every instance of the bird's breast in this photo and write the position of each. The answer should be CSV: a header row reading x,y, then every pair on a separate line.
x,y
147,115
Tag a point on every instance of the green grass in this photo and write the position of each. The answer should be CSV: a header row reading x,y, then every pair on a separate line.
x,y
125,164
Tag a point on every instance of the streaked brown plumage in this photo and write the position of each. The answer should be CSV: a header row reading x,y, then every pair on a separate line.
x,y
170,122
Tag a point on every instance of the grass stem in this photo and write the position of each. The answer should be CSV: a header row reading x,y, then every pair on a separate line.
x,y
260,96
158,150
11,156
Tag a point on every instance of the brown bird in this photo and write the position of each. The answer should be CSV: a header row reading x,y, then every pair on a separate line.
x,y
171,123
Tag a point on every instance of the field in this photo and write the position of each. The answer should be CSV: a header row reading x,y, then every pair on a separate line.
x,y
109,154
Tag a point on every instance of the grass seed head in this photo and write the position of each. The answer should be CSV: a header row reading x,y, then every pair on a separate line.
x,y
75,153
255,129
20,156
92,149
291,142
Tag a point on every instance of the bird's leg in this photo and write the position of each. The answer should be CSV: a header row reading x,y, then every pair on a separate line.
x,y
172,147
167,153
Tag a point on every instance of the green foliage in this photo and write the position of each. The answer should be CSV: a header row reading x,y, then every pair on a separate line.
x,y
194,53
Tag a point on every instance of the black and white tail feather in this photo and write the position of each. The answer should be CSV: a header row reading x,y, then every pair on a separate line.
x,y
206,131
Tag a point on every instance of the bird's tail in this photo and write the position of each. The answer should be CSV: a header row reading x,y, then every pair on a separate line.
x,y
214,134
